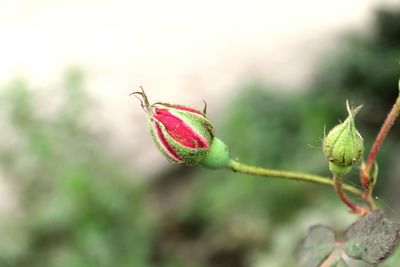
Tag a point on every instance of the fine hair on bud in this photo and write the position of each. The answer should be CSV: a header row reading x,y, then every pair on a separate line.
x,y
343,145
183,134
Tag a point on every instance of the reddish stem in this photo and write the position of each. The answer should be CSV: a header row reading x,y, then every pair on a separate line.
x,y
366,167
387,125
338,185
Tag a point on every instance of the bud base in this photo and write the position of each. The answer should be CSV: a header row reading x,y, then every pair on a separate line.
x,y
218,156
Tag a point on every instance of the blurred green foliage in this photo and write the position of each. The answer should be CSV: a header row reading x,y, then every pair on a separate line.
x,y
79,206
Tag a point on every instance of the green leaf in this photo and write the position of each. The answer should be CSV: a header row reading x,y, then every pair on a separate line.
x,y
316,246
372,238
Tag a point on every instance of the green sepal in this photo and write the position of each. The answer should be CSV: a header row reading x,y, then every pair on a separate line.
x,y
339,170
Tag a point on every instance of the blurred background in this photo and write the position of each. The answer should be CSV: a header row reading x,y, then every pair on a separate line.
x,y
81,183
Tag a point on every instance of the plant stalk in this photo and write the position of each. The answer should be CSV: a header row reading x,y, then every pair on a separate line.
x,y
366,168
296,176
340,191
386,126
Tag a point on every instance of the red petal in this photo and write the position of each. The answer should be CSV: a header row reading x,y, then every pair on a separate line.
x,y
164,142
179,130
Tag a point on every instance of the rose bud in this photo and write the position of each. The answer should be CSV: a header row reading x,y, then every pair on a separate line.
x,y
183,134
343,146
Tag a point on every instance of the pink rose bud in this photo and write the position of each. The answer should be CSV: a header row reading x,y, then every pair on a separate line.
x,y
182,134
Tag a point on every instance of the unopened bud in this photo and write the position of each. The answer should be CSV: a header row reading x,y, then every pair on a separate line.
x,y
343,145
183,134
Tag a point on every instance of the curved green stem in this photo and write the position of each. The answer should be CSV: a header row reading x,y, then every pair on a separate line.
x,y
296,176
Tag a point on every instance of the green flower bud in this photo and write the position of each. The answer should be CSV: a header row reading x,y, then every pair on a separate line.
x,y
343,146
